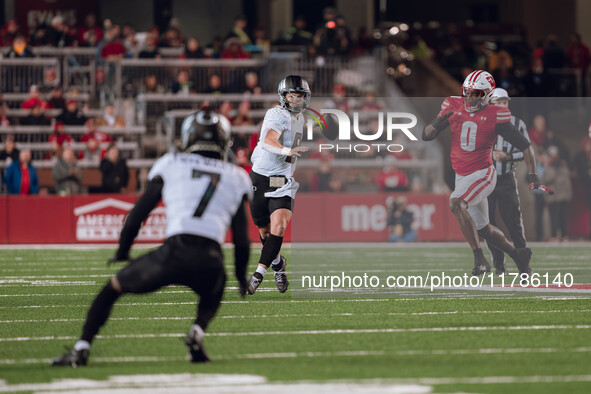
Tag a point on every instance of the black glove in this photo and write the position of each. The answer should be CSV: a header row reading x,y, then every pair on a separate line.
x,y
118,257
438,123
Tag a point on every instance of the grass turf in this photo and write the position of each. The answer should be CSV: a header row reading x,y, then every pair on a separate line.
x,y
538,342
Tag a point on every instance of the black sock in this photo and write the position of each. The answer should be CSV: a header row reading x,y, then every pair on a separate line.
x,y
263,240
270,250
99,312
477,252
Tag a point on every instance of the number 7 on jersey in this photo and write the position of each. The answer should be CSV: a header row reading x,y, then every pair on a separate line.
x,y
214,179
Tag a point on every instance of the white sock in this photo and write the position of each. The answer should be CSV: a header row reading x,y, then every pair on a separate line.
x,y
81,345
277,260
261,270
197,328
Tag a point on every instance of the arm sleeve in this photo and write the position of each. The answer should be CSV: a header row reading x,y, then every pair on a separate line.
x,y
509,133
241,239
138,214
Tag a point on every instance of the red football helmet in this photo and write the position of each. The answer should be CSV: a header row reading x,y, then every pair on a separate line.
x,y
477,90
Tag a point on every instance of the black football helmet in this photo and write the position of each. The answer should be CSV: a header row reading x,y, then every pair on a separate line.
x,y
294,84
206,131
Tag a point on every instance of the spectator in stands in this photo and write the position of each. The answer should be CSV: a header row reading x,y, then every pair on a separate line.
x,y
151,85
92,39
370,102
557,177
193,50
583,166
59,135
297,34
21,176
36,117
171,39
497,57
332,38
109,118
92,152
150,50
579,58
226,109
550,140
33,99
41,35
234,50
454,59
19,48
553,56
112,49
182,84
4,122
114,171
322,180
536,81
56,99
505,76
242,160
66,174
260,39
10,152
60,35
251,79
130,41
72,116
90,32
400,221
243,118
215,85
92,132
216,47
9,32
339,100
239,30
392,179
537,134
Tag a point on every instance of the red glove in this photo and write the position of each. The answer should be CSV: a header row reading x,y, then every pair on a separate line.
x,y
534,183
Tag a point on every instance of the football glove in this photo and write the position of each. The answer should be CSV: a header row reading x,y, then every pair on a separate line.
x,y
535,184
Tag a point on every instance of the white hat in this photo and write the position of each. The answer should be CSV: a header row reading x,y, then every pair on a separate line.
x,y
500,93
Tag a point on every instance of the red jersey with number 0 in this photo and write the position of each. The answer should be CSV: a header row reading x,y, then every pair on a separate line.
x,y
472,134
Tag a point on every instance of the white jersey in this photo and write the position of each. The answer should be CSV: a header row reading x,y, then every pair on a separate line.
x,y
201,194
291,128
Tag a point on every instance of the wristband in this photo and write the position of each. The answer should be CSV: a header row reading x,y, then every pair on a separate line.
x,y
285,151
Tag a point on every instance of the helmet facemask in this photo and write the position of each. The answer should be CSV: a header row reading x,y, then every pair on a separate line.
x,y
295,101
474,99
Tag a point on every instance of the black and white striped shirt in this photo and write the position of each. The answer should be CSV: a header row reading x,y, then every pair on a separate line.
x,y
507,167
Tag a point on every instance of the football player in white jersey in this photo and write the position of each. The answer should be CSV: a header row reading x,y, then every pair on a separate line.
x,y
274,162
204,196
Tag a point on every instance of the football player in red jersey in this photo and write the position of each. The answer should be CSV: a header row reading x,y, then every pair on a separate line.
x,y
475,124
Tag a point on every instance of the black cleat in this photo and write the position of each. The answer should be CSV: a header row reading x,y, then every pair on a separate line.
x,y
522,259
280,275
72,359
481,265
500,268
254,282
194,341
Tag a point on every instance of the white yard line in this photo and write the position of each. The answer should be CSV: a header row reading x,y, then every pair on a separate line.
x,y
318,332
300,315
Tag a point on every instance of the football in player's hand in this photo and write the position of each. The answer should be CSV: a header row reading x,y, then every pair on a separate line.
x,y
331,131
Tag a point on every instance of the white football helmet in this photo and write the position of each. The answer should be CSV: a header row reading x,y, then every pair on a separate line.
x,y
477,90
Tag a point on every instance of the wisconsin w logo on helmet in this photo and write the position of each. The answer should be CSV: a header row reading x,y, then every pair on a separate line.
x,y
477,90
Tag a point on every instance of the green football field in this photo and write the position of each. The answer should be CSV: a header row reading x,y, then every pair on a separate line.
x,y
484,340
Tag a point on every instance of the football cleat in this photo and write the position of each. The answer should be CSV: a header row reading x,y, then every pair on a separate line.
x,y
481,265
254,282
500,268
522,258
280,275
194,342
72,358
